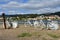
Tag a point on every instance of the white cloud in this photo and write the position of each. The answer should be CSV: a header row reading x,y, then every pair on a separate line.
x,y
37,6
33,4
15,12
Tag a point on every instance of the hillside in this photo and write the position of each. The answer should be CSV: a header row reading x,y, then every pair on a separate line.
x,y
32,15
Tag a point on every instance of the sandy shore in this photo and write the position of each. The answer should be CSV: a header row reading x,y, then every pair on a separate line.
x,y
37,34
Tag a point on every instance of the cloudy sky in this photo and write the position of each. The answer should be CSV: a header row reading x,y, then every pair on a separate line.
x,y
29,6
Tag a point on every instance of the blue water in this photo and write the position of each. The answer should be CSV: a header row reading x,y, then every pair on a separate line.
x,y
45,21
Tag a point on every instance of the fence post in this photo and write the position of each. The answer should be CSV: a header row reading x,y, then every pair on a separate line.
x,y
3,15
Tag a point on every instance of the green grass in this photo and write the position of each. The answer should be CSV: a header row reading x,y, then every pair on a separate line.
x,y
25,35
53,35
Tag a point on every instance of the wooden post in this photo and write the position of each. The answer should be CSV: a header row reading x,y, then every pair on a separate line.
x,y
3,15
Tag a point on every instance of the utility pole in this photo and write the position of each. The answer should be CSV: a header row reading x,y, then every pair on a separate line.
x,y
4,20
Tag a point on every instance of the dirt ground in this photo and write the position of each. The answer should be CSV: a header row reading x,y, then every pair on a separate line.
x,y
37,34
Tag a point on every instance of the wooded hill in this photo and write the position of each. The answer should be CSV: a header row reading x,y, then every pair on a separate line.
x,y
32,15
